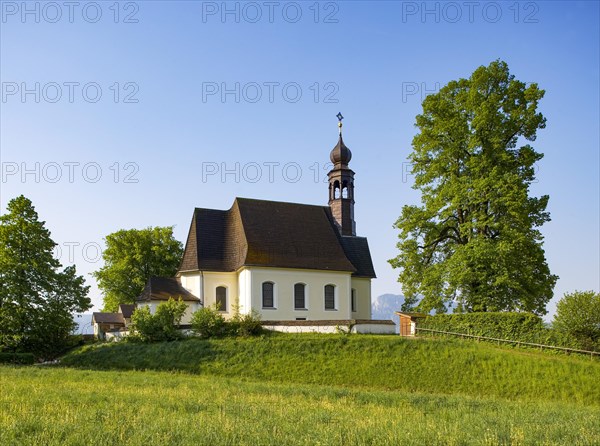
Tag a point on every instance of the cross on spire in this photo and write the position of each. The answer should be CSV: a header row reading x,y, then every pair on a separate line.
x,y
340,117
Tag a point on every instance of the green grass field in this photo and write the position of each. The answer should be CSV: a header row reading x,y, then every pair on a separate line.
x,y
441,366
57,406
303,390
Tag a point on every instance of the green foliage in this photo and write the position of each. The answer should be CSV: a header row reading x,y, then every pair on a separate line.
x,y
174,409
131,257
245,324
208,322
448,366
578,315
17,358
523,327
37,300
160,326
474,238
513,326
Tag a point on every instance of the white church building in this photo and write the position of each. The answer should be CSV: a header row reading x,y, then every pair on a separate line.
x,y
301,267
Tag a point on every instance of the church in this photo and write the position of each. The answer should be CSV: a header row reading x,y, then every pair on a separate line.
x,y
300,267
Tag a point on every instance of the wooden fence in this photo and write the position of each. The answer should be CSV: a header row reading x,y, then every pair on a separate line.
x,y
518,343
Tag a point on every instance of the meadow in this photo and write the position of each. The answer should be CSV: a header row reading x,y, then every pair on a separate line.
x,y
441,366
58,406
303,390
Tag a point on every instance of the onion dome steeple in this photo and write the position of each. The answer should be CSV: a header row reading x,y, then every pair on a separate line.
x,y
341,186
341,154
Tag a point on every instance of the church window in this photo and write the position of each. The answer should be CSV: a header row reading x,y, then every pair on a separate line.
x,y
330,297
268,300
300,296
221,299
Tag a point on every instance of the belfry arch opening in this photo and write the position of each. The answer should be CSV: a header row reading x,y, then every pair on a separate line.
x,y
347,189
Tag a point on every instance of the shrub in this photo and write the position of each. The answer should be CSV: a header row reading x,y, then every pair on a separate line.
x,y
17,358
246,324
578,316
514,326
208,322
160,326
524,327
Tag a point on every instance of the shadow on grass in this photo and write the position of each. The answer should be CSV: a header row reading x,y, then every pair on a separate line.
x,y
183,355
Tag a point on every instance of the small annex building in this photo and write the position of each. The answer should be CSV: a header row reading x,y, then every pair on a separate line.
x,y
408,322
160,289
107,325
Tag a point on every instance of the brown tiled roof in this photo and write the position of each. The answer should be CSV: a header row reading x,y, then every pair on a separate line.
x,y
357,251
108,318
273,234
162,288
126,310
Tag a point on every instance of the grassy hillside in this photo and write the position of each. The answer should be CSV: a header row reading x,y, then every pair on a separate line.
x,y
374,362
57,406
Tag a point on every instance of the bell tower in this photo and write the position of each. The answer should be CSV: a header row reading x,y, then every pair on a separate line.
x,y
341,186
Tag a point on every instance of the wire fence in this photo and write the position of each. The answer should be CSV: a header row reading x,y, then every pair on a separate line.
x,y
517,343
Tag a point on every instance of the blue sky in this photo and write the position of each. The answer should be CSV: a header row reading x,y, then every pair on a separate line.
x,y
135,156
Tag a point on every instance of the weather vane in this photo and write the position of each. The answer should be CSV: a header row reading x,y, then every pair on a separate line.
x,y
340,117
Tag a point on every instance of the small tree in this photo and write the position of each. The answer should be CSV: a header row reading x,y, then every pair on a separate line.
x,y
160,326
37,299
207,322
131,257
578,314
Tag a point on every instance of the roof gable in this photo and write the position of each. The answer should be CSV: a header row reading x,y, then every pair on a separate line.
x,y
163,288
108,318
126,310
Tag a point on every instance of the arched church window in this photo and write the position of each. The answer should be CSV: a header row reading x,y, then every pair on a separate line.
x,y
268,298
329,292
299,296
221,298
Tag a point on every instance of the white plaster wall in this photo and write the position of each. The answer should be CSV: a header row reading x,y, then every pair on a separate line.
x,y
374,329
326,329
331,329
244,291
315,281
212,280
193,283
363,298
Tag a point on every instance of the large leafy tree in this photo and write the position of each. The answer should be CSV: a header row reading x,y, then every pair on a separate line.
x,y
131,257
37,299
475,237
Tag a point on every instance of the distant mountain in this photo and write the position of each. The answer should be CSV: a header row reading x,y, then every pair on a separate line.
x,y
384,306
